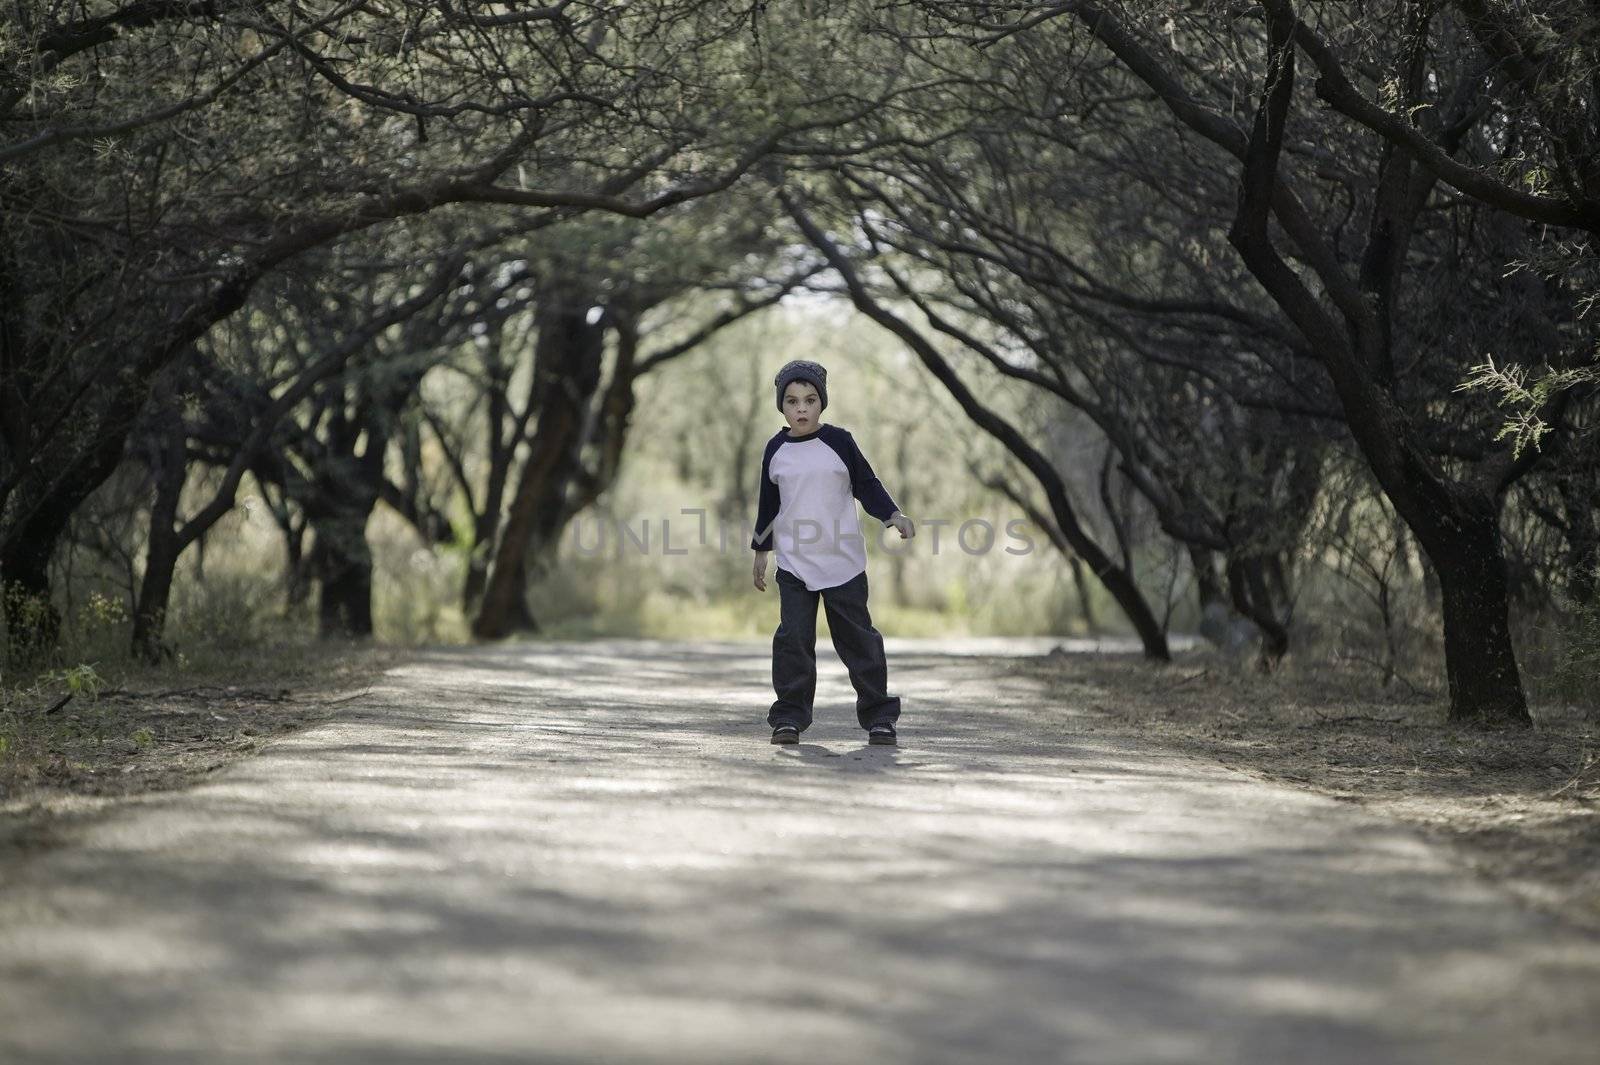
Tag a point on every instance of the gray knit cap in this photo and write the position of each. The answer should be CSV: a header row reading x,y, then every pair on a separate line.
x,y
803,370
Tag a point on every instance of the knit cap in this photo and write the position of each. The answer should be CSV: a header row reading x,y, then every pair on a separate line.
x,y
803,370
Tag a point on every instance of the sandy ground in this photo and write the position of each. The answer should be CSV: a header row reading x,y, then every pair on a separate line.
x,y
588,852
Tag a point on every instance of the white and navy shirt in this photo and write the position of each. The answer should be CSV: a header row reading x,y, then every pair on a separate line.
x,y
807,509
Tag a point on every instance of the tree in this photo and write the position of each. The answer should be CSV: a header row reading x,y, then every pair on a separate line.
x,y
227,140
243,425
1344,298
581,414
1116,579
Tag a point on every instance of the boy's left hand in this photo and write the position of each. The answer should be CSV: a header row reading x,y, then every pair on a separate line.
x,y
903,523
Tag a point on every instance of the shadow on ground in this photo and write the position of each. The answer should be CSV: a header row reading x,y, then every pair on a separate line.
x,y
589,852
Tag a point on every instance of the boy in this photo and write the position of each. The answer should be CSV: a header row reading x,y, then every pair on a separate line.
x,y
809,474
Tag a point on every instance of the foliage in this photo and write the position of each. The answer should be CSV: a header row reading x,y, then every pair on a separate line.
x,y
1528,399
206,208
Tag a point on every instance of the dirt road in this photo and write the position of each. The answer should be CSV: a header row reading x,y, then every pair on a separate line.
x,y
589,852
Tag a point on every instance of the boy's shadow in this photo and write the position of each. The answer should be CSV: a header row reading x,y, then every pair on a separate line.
x,y
865,758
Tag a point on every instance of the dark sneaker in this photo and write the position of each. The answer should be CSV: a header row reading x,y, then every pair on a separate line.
x,y
883,732
785,734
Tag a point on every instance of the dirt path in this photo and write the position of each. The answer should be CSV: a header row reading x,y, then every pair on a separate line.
x,y
589,852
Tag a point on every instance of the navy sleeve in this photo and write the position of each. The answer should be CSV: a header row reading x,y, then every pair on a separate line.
x,y
864,484
767,504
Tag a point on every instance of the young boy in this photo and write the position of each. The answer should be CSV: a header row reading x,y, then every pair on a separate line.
x,y
809,474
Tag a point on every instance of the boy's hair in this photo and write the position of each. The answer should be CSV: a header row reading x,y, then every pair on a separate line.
x,y
802,370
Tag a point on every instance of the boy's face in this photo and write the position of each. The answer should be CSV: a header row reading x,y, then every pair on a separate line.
x,y
802,407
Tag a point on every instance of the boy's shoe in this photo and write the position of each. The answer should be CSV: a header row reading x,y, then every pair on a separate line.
x,y
785,734
882,732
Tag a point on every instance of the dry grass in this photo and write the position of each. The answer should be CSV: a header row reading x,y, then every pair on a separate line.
x,y
1520,806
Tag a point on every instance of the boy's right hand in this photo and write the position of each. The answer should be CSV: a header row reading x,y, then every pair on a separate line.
x,y
760,572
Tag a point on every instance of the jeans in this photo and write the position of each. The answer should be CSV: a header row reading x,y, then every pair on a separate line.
x,y
860,647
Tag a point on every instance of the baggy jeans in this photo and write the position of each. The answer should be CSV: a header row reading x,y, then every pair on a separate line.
x,y
860,647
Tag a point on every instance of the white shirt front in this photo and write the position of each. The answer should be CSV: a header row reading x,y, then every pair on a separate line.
x,y
816,531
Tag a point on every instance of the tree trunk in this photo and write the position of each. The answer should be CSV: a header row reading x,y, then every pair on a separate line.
x,y
477,576
155,592
345,607
33,624
504,605
567,366
486,525
520,617
170,467
297,570
1485,686
1208,589
343,564
1085,604
1248,591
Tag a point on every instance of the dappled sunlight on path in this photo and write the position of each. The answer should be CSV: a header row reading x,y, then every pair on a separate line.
x,y
590,852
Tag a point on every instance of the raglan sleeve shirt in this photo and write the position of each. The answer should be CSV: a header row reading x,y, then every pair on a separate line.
x,y
864,484
806,514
